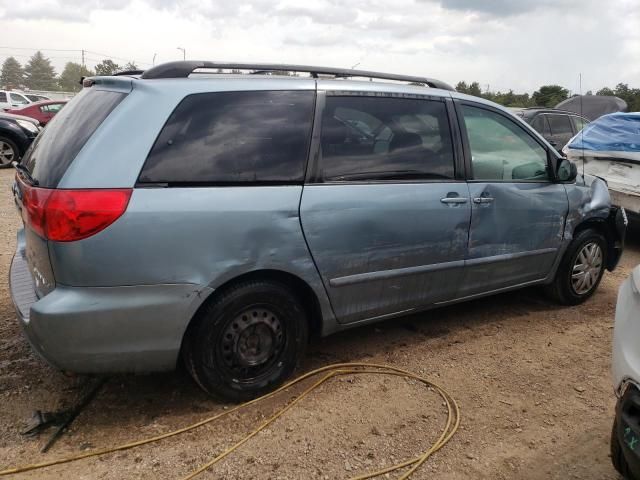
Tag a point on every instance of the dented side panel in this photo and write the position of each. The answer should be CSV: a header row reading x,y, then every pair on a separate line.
x,y
384,249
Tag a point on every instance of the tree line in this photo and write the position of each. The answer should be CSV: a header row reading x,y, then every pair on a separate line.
x,y
549,95
39,74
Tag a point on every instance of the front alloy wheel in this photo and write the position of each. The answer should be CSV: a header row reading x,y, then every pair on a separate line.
x,y
580,269
587,268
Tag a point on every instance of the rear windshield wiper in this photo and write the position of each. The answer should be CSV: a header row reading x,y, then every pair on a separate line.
x,y
24,171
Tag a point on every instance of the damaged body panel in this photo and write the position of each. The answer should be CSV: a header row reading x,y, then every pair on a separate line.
x,y
347,202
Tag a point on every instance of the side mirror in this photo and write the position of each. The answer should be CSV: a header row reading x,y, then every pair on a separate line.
x,y
567,171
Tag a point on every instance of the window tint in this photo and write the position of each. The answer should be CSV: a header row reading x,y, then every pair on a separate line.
x,y
3,97
18,99
380,138
578,123
541,125
501,149
230,137
51,108
560,125
58,144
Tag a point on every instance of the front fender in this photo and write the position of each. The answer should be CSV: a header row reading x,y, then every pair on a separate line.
x,y
590,204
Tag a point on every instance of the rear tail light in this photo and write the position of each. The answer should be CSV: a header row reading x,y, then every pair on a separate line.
x,y
70,215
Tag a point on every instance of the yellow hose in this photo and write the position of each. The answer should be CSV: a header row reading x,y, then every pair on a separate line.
x,y
331,371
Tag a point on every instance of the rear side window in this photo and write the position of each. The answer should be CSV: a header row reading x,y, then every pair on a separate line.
x,y
578,123
234,137
65,135
384,138
3,97
541,125
560,125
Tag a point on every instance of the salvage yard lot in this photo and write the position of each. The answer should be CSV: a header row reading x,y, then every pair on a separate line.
x,y
532,380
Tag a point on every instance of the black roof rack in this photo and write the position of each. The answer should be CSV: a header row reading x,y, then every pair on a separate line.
x,y
183,69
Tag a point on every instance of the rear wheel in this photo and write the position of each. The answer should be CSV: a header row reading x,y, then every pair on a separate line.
x,y
8,152
247,341
581,268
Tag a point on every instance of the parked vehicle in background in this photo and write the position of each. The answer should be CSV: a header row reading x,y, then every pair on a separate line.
x,y
16,134
556,126
12,99
36,98
224,218
593,106
609,147
41,111
625,437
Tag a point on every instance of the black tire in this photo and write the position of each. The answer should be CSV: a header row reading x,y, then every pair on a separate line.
x,y
16,152
562,289
247,341
617,457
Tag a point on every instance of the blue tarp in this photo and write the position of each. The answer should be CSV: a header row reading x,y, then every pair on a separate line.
x,y
614,132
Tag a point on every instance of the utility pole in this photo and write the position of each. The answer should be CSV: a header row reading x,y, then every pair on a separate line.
x,y
83,60
153,62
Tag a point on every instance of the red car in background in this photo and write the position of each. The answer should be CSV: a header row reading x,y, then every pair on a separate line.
x,y
41,111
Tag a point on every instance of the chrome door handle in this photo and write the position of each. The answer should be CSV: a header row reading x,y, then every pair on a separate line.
x,y
483,200
449,200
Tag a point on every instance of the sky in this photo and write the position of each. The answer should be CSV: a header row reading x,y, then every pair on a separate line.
x,y
502,44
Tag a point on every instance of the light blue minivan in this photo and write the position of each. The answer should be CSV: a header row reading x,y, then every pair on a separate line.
x,y
223,218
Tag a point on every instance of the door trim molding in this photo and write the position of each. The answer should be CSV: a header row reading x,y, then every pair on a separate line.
x,y
394,273
434,267
507,256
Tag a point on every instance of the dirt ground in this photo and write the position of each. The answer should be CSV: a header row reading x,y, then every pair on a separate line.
x,y
532,380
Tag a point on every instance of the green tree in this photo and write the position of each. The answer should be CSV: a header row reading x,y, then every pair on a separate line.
x,y
39,74
107,67
606,91
12,73
130,66
69,79
474,89
462,87
550,95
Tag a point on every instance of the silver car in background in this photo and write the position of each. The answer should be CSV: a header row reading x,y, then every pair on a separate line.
x,y
625,437
224,218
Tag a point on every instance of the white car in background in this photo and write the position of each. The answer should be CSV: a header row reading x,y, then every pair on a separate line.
x,y
12,99
625,437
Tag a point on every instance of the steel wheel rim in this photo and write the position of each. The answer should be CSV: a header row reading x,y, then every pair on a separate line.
x,y
7,153
251,343
587,268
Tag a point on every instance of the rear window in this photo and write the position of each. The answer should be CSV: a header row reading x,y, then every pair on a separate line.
x,y
234,137
65,135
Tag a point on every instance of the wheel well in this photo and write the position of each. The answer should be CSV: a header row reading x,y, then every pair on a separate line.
x,y
600,226
299,287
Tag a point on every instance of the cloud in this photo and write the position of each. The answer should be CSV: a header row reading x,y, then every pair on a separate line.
x,y
505,8
59,10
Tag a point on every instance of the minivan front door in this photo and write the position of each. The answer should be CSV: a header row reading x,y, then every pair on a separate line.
x,y
383,214
518,213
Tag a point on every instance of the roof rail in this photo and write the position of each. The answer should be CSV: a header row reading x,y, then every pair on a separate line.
x,y
182,69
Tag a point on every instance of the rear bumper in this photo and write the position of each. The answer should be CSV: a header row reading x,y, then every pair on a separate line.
x,y
104,329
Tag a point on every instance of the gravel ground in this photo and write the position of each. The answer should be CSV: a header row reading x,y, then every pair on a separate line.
x,y
532,380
